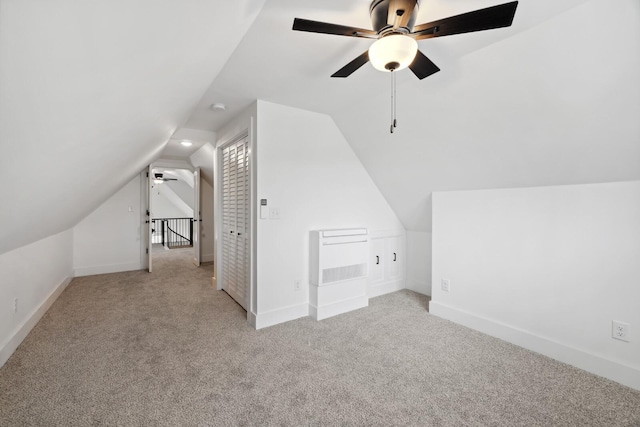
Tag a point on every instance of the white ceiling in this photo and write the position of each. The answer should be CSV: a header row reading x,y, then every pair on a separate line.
x,y
198,138
293,68
89,88
554,99
94,90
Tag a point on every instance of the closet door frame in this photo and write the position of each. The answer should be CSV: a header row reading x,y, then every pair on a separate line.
x,y
235,220
250,231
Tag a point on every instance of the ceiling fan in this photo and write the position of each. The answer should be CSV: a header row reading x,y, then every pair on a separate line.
x,y
158,178
396,35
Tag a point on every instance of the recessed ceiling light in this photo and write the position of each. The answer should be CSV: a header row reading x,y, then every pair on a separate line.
x,y
218,107
186,143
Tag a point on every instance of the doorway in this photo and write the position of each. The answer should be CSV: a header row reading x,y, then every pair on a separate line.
x,y
174,219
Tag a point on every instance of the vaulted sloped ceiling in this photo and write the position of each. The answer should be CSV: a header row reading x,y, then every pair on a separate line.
x,y
279,65
556,104
552,100
90,91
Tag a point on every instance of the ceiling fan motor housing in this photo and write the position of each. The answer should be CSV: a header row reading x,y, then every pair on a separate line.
x,y
379,11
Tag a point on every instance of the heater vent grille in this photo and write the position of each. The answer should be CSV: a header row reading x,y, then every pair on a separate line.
x,y
338,255
337,274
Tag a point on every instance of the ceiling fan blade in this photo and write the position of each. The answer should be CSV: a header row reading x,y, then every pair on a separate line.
x,y
478,20
352,66
400,12
422,66
326,28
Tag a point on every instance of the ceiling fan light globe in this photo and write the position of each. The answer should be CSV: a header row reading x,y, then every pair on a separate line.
x,y
395,48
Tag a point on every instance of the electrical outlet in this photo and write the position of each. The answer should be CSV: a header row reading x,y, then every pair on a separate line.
x,y
296,285
274,213
445,285
620,330
15,305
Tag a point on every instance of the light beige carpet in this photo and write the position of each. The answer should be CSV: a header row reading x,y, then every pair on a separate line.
x,y
166,349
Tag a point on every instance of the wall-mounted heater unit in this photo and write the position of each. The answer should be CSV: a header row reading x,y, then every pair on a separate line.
x,y
338,271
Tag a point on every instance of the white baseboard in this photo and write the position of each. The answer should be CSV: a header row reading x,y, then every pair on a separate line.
x,y
106,269
614,371
270,318
14,341
340,307
384,288
252,318
206,258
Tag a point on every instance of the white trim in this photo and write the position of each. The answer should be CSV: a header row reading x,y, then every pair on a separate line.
x,y
281,315
252,318
606,368
197,217
253,216
10,346
385,288
173,164
144,228
207,257
340,307
106,269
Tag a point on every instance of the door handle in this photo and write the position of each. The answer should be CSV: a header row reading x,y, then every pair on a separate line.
x,y
231,232
239,234
377,260
394,257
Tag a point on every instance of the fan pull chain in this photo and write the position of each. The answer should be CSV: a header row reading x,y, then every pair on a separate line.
x,y
394,122
395,100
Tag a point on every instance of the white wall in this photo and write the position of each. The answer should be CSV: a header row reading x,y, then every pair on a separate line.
x,y
203,159
547,268
207,225
108,239
419,261
165,203
240,123
555,104
34,274
74,72
307,170
183,189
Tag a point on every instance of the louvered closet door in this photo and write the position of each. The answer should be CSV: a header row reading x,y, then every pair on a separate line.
x,y
235,221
